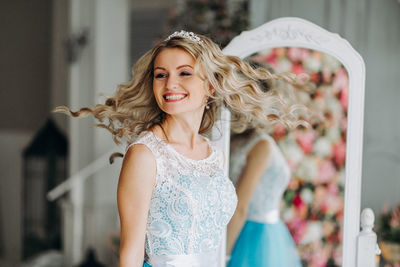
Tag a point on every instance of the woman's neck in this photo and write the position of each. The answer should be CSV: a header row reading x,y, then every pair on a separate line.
x,y
179,131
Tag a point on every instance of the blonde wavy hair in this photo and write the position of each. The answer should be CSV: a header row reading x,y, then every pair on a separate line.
x,y
133,108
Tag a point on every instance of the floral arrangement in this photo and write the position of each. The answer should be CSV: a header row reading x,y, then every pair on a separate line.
x,y
211,17
388,231
314,200
388,224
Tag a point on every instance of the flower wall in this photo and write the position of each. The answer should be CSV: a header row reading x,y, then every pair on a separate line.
x,y
313,203
214,18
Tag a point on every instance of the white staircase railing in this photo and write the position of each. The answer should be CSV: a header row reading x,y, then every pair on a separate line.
x,y
80,176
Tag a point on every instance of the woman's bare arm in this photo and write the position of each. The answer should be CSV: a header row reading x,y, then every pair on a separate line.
x,y
256,163
135,188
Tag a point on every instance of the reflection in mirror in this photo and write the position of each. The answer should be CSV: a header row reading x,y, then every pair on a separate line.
x,y
301,189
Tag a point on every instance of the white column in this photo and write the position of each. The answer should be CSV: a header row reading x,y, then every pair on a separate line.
x,y
100,66
112,68
81,146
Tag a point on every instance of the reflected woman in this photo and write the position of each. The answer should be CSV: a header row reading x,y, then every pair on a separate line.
x,y
256,234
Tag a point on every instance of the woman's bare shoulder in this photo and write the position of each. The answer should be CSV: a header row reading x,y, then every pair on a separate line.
x,y
139,155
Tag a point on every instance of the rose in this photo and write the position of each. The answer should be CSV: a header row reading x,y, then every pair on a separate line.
x,y
326,171
305,139
339,153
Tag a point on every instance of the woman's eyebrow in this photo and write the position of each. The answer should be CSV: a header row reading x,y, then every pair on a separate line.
x,y
186,65
179,67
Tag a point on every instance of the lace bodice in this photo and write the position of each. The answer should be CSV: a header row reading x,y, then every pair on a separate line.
x,y
191,204
269,190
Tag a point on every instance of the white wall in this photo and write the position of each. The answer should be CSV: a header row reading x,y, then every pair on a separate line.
x,y
373,29
58,60
24,106
24,63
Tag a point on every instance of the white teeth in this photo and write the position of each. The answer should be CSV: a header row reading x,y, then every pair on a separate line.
x,y
174,97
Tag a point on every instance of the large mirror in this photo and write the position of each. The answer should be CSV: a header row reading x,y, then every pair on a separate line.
x,y
320,201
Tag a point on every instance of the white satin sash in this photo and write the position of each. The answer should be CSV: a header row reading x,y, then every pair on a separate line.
x,y
187,260
270,217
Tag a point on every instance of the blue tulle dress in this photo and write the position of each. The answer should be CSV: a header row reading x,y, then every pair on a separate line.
x,y
192,202
264,240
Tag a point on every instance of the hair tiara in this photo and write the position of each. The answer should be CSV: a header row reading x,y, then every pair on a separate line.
x,y
184,34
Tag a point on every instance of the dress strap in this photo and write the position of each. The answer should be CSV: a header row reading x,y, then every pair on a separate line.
x,y
148,139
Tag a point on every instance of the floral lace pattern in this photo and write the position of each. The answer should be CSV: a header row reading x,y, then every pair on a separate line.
x,y
269,190
191,204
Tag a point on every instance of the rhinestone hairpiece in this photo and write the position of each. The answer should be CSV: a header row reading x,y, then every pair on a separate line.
x,y
190,35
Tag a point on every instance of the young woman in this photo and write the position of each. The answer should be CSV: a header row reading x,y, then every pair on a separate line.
x,y
173,198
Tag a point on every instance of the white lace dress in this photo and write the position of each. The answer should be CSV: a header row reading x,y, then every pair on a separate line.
x,y
192,202
264,203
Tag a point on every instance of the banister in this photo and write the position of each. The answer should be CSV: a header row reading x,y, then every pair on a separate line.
x,y
81,175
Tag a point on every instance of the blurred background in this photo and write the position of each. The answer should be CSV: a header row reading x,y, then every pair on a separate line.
x,y
71,52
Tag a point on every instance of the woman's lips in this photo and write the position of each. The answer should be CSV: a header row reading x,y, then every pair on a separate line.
x,y
174,97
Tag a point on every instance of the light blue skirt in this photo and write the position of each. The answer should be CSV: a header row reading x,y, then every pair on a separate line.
x,y
145,264
264,245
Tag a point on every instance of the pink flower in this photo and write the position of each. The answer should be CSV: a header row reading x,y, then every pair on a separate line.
x,y
320,257
326,75
315,77
343,124
305,54
301,206
339,153
319,198
279,131
298,69
337,255
295,53
344,97
306,139
297,229
333,204
326,171
340,81
271,59
395,220
340,233
333,188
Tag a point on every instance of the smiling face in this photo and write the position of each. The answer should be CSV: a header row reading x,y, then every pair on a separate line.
x,y
177,88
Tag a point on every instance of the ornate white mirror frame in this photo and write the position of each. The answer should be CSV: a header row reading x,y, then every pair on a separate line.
x,y
296,32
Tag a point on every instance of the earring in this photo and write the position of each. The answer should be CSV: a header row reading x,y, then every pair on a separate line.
x,y
207,105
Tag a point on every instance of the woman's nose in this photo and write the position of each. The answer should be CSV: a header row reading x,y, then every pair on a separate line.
x,y
172,82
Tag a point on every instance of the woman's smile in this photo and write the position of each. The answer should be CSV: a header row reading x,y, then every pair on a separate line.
x,y
174,97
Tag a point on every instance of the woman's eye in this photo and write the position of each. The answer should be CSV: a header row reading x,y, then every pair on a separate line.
x,y
185,73
160,75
